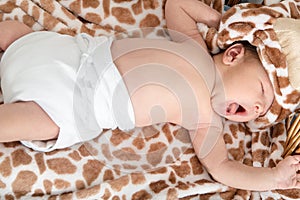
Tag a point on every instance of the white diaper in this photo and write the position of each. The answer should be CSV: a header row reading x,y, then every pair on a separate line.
x,y
73,79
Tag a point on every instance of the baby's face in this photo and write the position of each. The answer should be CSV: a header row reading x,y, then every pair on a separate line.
x,y
248,93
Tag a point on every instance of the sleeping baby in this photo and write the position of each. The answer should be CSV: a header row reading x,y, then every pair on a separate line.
x,y
59,90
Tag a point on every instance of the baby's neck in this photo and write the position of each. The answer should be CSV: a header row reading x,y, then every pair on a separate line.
x,y
218,92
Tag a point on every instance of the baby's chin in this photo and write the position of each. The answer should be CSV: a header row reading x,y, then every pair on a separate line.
x,y
238,118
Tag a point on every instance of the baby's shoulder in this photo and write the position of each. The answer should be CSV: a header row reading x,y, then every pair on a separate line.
x,y
201,61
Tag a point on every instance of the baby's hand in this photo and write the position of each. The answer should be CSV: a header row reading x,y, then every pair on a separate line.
x,y
286,173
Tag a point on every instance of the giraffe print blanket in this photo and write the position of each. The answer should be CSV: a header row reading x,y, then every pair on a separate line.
x,y
155,162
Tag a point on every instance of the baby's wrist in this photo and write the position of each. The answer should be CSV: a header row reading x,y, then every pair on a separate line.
x,y
275,179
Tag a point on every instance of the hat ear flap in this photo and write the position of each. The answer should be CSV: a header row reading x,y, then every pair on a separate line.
x,y
288,33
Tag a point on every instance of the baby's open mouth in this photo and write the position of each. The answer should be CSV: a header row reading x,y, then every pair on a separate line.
x,y
234,108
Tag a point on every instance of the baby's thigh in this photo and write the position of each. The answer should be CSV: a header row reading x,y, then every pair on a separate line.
x,y
25,120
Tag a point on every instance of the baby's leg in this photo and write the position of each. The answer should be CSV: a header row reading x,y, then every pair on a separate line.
x,y
25,121
10,31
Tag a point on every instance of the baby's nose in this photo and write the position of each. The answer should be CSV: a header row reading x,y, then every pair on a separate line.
x,y
259,108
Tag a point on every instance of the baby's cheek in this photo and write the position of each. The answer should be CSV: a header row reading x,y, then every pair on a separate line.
x,y
219,108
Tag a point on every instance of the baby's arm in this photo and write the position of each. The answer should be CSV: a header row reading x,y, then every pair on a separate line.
x,y
11,31
183,15
238,175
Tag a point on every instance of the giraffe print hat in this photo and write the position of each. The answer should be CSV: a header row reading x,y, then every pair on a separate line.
x,y
255,24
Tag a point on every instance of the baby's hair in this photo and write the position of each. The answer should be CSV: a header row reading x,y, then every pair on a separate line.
x,y
249,48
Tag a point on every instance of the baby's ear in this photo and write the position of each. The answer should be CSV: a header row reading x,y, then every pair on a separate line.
x,y
233,54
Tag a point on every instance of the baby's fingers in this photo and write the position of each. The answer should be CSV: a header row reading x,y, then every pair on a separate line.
x,y
295,159
297,185
297,168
